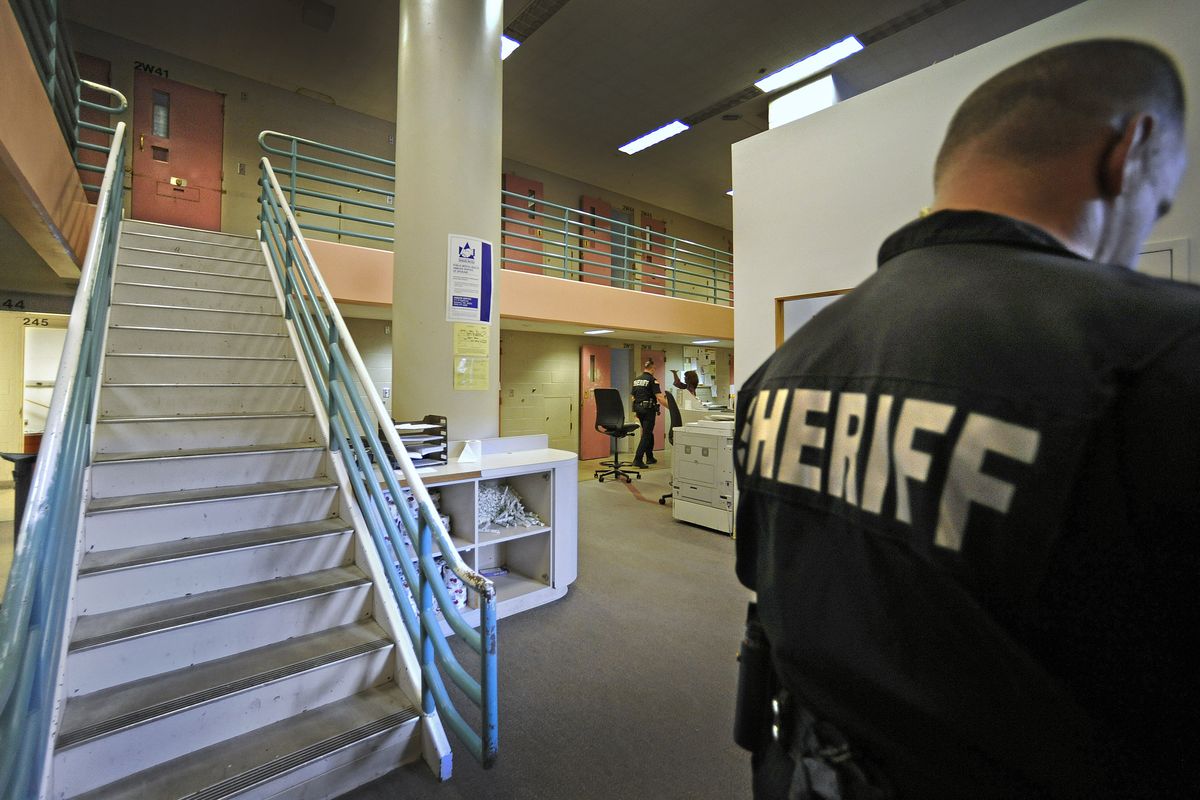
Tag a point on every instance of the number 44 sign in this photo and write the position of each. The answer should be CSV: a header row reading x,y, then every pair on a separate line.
x,y
468,279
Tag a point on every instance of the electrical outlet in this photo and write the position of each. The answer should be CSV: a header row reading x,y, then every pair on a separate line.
x,y
386,392
241,168
391,200
391,138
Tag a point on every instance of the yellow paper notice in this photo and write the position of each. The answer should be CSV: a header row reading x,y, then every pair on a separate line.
x,y
471,339
471,373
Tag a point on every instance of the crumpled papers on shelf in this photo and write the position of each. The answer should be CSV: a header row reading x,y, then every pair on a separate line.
x,y
501,507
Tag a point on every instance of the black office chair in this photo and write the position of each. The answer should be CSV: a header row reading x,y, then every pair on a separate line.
x,y
676,421
610,420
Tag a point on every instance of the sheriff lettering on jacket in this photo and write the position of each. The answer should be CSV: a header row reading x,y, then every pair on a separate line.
x,y
851,447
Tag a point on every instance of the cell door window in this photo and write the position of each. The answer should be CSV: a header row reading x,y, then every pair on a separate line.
x,y
160,123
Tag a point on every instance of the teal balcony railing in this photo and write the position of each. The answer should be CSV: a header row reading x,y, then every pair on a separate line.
x,y
34,616
356,415
342,193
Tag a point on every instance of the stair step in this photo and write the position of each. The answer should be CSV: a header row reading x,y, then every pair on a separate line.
x,y
133,576
109,734
168,368
191,247
163,499
370,733
164,399
221,299
115,474
90,716
180,232
133,434
114,523
184,278
134,643
179,317
149,256
153,339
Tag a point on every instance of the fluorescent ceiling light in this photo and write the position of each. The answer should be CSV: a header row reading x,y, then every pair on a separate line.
x,y
730,192
598,331
507,46
808,99
653,137
806,67
706,341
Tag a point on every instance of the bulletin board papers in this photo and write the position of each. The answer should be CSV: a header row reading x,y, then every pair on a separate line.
x,y
471,373
471,339
468,279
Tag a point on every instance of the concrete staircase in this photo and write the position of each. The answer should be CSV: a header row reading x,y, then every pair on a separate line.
x,y
228,641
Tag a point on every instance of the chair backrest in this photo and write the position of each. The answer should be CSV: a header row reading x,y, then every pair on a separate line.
x,y
610,410
676,417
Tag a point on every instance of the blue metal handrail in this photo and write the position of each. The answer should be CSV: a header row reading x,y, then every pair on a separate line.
x,y
558,240
34,616
82,125
343,384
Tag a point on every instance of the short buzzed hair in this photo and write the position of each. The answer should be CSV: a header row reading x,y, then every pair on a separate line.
x,y
1054,101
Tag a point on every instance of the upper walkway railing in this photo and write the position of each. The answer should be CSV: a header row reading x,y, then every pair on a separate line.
x,y
343,384
45,31
34,616
350,195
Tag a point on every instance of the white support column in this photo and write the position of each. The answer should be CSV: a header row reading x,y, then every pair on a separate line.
x,y
448,128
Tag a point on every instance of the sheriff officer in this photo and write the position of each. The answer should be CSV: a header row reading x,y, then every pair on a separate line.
x,y
647,397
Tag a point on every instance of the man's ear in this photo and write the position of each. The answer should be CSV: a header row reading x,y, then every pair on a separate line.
x,y
1125,155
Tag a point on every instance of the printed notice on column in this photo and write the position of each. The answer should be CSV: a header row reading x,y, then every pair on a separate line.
x,y
471,373
468,279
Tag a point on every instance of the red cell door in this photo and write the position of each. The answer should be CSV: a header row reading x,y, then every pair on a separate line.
x,y
595,372
595,241
518,236
654,271
177,137
660,375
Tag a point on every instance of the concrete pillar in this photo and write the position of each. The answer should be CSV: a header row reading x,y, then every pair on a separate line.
x,y
448,124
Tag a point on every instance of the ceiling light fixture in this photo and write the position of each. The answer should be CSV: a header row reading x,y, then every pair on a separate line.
x,y
807,67
808,99
653,137
507,46
705,341
599,331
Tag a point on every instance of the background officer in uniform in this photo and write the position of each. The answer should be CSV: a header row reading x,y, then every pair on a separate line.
x,y
647,397
970,489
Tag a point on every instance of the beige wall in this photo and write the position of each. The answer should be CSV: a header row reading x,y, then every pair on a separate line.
x,y
373,338
12,387
539,381
838,182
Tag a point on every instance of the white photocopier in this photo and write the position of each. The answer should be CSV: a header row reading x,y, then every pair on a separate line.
x,y
702,485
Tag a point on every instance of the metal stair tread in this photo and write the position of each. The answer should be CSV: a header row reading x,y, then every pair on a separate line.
x,y
192,308
198,417
213,357
110,458
96,562
130,221
252,243
235,765
94,630
160,329
186,271
91,716
145,285
158,499
258,262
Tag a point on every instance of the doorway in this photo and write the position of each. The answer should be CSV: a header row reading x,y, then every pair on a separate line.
x,y
521,236
178,132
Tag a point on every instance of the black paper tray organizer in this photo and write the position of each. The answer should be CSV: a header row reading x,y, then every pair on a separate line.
x,y
425,440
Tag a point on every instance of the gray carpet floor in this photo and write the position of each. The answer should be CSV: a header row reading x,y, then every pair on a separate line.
x,y
625,687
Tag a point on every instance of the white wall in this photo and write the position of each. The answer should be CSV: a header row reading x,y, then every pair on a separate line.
x,y
814,199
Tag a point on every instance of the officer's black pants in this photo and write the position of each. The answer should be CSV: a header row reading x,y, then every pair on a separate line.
x,y
645,447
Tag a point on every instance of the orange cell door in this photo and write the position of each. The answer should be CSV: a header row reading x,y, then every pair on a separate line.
x,y
660,375
595,372
177,136
595,241
654,271
516,226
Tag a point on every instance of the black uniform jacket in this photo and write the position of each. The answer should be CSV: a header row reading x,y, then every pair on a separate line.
x,y
971,510
645,392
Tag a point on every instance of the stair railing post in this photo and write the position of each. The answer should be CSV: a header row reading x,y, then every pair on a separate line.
x,y
332,387
292,182
425,601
